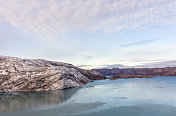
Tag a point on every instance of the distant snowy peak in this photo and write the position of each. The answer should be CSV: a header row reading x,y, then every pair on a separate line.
x,y
164,64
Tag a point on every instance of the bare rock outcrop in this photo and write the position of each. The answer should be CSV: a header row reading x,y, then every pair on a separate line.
x,y
18,74
129,76
92,75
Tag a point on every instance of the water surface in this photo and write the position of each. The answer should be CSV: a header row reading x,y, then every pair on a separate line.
x,y
123,97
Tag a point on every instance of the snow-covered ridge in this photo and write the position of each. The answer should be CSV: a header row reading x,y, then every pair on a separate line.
x,y
17,74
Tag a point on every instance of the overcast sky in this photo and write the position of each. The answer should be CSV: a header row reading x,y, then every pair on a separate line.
x,y
89,32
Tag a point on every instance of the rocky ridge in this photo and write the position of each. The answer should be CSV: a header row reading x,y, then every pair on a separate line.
x,y
169,71
17,74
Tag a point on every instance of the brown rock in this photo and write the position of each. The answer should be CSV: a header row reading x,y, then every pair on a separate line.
x,y
18,74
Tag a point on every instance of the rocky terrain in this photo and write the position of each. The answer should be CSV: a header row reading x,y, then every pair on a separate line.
x,y
18,74
129,76
169,71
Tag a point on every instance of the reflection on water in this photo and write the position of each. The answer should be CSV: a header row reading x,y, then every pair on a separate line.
x,y
25,100
124,97
136,110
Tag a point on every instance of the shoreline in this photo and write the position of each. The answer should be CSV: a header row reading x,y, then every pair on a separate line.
x,y
129,77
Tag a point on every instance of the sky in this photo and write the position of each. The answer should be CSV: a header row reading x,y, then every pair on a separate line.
x,y
89,33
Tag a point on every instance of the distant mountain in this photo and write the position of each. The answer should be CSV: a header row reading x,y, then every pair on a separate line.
x,y
114,66
164,64
169,71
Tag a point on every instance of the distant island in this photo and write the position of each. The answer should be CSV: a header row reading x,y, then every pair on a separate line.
x,y
129,76
168,71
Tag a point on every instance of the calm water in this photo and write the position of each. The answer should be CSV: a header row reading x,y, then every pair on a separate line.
x,y
124,97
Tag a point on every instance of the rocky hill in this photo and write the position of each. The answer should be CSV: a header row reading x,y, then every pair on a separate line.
x,y
18,74
169,71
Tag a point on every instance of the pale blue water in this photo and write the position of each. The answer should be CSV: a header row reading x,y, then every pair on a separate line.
x,y
124,97
107,76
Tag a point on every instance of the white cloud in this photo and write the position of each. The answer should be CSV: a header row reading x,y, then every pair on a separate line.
x,y
139,42
62,16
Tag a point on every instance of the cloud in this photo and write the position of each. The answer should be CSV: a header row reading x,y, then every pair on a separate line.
x,y
153,64
102,66
139,42
87,57
113,66
61,16
152,50
3,37
170,63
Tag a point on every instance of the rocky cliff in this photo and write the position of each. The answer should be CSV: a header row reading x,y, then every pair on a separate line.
x,y
169,71
18,74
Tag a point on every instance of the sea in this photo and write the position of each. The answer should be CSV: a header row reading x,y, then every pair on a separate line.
x,y
121,97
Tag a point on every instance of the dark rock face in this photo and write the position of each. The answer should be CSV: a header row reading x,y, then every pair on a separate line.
x,y
170,71
18,74
92,75
129,76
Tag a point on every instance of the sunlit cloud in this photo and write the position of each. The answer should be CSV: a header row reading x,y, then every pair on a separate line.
x,y
89,32
61,16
